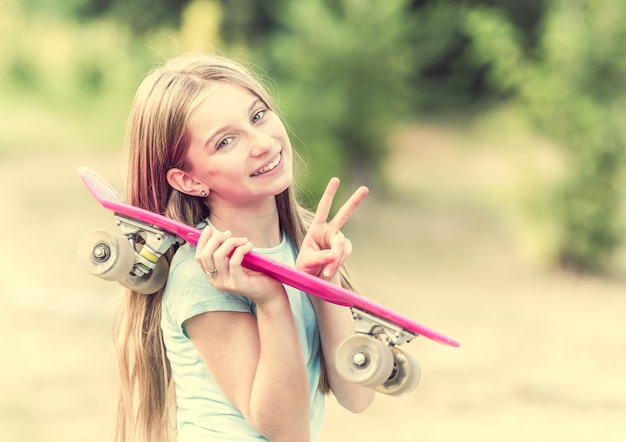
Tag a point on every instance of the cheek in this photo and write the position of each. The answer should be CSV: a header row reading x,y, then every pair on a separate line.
x,y
287,144
288,156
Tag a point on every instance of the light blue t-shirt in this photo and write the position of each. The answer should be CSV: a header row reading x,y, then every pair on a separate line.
x,y
204,413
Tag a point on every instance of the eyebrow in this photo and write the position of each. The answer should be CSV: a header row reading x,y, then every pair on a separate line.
x,y
254,104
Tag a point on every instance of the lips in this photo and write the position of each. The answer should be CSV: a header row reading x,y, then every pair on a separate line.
x,y
269,166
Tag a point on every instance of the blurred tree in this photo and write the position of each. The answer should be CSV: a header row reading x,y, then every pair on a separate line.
x,y
55,58
56,8
576,93
573,89
250,22
446,75
200,23
140,15
72,81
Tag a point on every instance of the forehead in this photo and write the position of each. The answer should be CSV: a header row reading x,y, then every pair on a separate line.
x,y
221,99
220,106
221,93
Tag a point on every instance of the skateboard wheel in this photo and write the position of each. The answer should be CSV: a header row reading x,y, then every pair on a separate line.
x,y
364,360
404,377
105,254
150,283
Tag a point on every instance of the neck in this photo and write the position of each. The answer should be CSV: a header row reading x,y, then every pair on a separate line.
x,y
259,224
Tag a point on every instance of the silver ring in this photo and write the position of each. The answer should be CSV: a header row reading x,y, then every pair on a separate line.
x,y
211,273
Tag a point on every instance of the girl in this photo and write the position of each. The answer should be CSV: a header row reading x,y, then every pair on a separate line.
x,y
247,358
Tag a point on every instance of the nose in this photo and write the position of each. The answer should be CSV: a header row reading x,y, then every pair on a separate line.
x,y
260,143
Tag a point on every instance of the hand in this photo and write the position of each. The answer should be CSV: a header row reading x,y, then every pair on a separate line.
x,y
325,249
220,255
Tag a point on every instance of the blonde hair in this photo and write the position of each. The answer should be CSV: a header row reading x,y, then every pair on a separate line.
x,y
158,141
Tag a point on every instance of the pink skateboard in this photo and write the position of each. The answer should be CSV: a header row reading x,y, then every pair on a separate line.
x,y
365,359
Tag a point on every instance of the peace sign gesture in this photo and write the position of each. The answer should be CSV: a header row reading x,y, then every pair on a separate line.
x,y
324,248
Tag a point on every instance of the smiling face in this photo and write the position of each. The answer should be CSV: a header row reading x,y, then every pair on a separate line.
x,y
239,151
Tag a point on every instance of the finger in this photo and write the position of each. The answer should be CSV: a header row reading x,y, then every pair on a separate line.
x,y
222,254
326,202
346,211
206,234
237,255
316,261
338,247
345,253
206,249
236,275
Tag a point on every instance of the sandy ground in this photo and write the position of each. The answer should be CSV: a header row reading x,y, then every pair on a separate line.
x,y
542,356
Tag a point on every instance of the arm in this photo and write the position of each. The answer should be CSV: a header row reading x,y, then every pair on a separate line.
x,y
336,324
323,251
257,362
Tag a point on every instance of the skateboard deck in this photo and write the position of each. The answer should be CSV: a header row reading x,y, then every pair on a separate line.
x,y
369,315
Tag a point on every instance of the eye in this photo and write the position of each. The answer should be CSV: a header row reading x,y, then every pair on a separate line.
x,y
256,117
223,143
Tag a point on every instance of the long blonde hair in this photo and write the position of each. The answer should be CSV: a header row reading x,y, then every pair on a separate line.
x,y
158,141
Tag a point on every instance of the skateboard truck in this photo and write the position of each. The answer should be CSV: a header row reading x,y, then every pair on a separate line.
x,y
157,242
368,324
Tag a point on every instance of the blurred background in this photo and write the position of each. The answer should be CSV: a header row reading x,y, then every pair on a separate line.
x,y
492,134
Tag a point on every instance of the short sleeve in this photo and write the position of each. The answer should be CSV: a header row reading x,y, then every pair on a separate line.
x,y
188,292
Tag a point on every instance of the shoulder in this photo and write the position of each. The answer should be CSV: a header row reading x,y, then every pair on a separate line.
x,y
184,265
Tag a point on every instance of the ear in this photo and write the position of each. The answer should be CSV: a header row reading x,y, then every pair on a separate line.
x,y
185,183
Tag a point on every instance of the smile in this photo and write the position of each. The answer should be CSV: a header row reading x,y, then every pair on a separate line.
x,y
269,166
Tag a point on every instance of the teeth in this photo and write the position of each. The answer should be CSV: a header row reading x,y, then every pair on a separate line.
x,y
269,167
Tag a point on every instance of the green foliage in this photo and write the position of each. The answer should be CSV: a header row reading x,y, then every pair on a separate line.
x,y
574,92
60,59
443,75
451,73
250,22
141,16
72,82
495,44
54,8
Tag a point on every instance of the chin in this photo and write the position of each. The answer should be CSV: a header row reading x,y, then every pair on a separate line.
x,y
286,186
